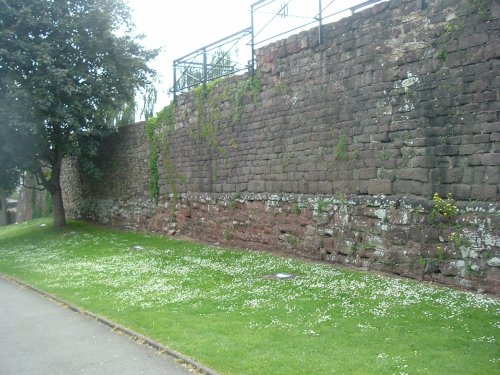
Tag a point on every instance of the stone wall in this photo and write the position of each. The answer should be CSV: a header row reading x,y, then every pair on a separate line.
x,y
396,100
32,203
335,151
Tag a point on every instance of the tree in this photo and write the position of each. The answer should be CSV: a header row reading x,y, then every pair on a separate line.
x,y
72,66
9,176
12,140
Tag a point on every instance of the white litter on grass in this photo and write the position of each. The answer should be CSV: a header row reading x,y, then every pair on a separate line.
x,y
284,276
280,276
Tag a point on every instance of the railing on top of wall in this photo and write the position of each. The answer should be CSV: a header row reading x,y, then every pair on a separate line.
x,y
227,56
270,20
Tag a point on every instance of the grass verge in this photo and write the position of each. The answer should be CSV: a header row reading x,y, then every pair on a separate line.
x,y
217,307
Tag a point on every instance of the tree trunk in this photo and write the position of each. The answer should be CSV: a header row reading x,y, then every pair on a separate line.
x,y
3,208
58,208
57,202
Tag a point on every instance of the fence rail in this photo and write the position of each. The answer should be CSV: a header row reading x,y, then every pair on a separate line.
x,y
270,20
224,57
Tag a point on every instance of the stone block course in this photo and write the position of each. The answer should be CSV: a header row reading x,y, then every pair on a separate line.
x,y
393,103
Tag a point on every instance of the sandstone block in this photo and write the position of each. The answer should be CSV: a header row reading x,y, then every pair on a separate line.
x,y
376,186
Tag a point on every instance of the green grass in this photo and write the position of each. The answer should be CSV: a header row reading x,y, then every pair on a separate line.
x,y
216,306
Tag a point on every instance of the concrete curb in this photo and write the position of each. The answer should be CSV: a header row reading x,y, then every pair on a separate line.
x,y
115,327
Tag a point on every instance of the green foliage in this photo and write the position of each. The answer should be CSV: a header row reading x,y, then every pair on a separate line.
x,y
212,122
341,197
14,140
126,115
293,241
74,68
384,154
252,85
452,27
160,130
444,209
233,204
223,297
341,149
357,154
154,187
323,205
149,97
41,203
48,207
369,246
459,239
204,299
442,55
228,235
296,210
35,207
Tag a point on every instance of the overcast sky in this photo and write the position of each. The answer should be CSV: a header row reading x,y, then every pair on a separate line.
x,y
183,26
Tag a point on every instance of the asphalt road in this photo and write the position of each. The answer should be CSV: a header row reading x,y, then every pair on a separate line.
x,y
38,337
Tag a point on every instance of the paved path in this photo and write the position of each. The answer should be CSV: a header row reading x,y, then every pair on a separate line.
x,y
39,337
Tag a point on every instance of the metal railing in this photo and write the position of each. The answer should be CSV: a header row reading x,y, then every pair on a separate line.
x,y
225,57
270,20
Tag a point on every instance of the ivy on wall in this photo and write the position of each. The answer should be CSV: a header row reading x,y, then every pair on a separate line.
x,y
160,130
211,120
219,105
151,132
41,203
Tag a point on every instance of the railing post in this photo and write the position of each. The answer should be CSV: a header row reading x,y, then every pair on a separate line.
x,y
252,41
175,80
320,19
204,78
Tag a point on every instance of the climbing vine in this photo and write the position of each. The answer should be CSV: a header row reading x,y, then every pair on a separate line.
x,y
151,132
159,130
341,149
214,115
210,119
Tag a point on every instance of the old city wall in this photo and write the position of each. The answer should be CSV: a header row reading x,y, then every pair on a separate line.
x,y
334,151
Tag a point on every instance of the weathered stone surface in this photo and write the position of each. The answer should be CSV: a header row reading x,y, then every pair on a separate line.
x,y
392,108
376,186
494,262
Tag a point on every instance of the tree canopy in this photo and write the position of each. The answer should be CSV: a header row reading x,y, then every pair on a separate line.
x,y
68,69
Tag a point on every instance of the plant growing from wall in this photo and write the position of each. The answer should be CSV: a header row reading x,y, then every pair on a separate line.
x,y
459,239
227,234
152,134
296,210
341,149
444,209
160,130
293,241
211,119
233,204
252,86
357,154
323,205
442,55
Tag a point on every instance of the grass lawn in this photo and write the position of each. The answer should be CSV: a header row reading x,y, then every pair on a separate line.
x,y
216,305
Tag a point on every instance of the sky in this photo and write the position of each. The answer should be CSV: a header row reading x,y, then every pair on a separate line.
x,y
180,27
